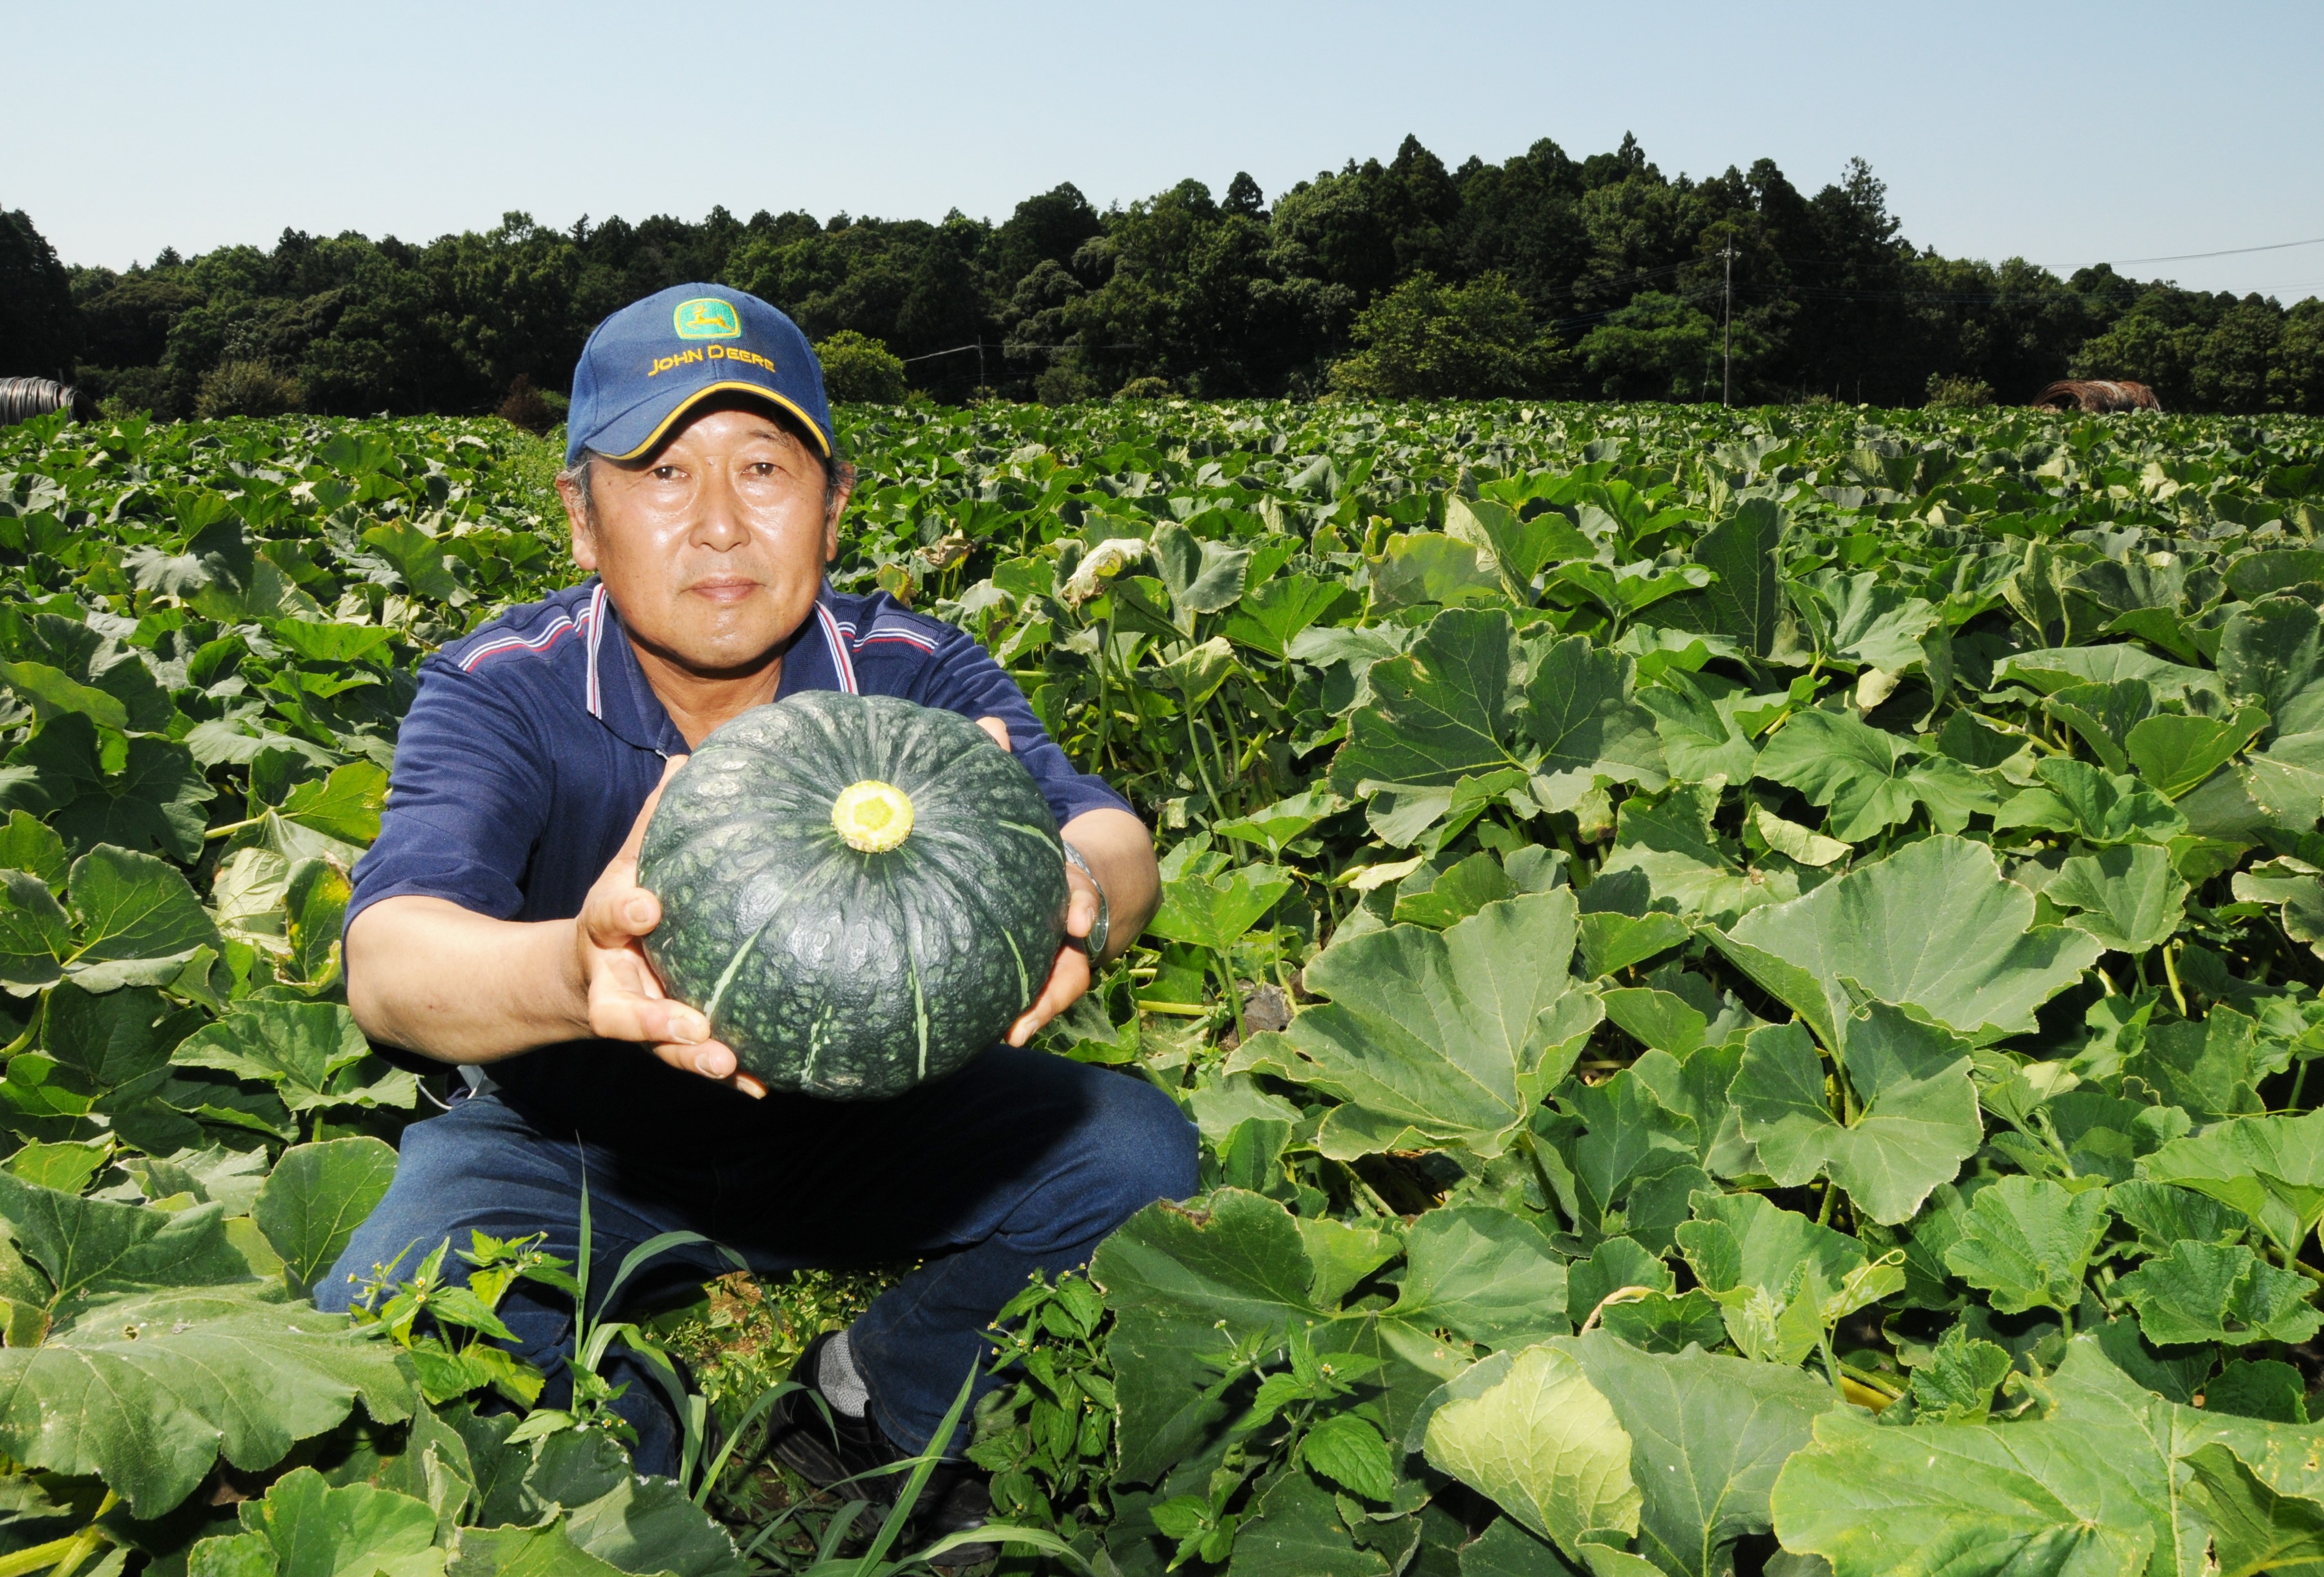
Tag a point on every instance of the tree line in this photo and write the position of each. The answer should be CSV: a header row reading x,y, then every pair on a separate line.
x,y
1543,276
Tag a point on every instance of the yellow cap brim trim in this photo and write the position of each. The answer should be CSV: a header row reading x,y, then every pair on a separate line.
x,y
759,390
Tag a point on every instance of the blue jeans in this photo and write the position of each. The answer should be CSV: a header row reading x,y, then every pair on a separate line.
x,y
1021,1162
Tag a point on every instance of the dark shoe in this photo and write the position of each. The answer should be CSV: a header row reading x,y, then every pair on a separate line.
x,y
845,1456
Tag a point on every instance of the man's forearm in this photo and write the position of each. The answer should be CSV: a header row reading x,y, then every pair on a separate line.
x,y
434,978
1120,851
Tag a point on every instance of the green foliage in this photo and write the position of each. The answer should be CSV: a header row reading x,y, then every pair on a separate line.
x,y
860,369
1959,393
1862,869
246,388
39,333
1424,340
1658,346
1673,288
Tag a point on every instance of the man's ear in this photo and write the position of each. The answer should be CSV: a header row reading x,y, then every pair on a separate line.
x,y
840,494
577,518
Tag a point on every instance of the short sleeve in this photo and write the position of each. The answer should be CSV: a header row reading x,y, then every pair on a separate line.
x,y
961,677
466,802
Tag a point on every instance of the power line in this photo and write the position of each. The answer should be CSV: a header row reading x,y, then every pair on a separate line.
x,y
2191,256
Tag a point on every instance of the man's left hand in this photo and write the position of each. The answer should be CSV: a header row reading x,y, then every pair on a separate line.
x,y
1069,976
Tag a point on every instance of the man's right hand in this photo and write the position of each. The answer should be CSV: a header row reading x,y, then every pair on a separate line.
x,y
626,997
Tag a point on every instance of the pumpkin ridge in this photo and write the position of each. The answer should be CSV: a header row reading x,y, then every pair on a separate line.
x,y
1024,980
976,897
726,975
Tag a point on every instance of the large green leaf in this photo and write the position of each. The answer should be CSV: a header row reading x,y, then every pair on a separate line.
x,y
1529,1432
312,1054
1204,577
1934,927
2176,753
2078,799
1579,711
345,805
1688,867
1517,546
140,793
524,1552
1914,1122
62,664
1207,912
138,920
1270,616
90,1247
1438,713
1745,601
2130,898
2271,1168
1871,779
1295,1525
1780,1279
149,1391
304,1528
2254,1529
1486,1274
2058,667
1272,827
111,1039
2027,1241
1708,1436
1858,619
2104,716
1188,1285
2274,650
2095,1484
1632,1138
2218,1292
1421,568
612,1512
34,932
1701,738
315,1197
1441,1038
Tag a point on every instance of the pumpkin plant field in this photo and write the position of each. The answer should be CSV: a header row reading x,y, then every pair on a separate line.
x,y
1748,979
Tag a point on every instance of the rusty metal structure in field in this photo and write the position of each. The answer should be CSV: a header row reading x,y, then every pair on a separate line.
x,y
2097,396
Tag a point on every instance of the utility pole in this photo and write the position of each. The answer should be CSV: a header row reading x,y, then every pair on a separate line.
x,y
1727,332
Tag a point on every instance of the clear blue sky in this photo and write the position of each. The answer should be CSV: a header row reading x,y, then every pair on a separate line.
x,y
2065,133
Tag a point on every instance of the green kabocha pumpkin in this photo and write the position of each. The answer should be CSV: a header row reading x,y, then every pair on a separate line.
x,y
861,893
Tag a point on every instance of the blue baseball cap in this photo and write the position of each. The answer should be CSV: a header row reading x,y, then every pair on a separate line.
x,y
654,360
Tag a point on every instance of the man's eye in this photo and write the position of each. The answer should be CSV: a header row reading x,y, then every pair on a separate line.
x,y
665,473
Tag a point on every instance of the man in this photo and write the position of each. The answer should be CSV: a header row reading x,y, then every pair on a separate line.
x,y
496,924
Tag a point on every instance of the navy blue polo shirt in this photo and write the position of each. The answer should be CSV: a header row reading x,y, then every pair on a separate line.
x,y
533,743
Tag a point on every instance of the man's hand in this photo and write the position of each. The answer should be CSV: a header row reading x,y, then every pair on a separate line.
x,y
626,1000
1069,976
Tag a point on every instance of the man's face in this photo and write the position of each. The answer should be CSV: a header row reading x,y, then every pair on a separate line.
x,y
714,548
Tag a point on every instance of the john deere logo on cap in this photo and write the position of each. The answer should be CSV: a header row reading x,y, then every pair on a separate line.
x,y
708,318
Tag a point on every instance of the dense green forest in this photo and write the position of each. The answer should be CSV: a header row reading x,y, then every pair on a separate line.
x,y
1545,275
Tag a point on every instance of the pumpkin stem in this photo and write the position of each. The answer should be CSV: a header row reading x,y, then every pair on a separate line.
x,y
872,816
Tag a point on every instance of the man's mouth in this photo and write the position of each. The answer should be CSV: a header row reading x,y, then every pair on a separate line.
x,y
724,590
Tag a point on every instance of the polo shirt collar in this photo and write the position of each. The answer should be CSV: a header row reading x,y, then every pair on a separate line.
x,y
616,692
820,658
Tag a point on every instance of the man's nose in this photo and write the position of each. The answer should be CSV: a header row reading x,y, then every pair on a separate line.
x,y
718,521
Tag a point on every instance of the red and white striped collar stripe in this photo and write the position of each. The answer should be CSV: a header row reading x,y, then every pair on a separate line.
x,y
840,663
541,640
595,617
